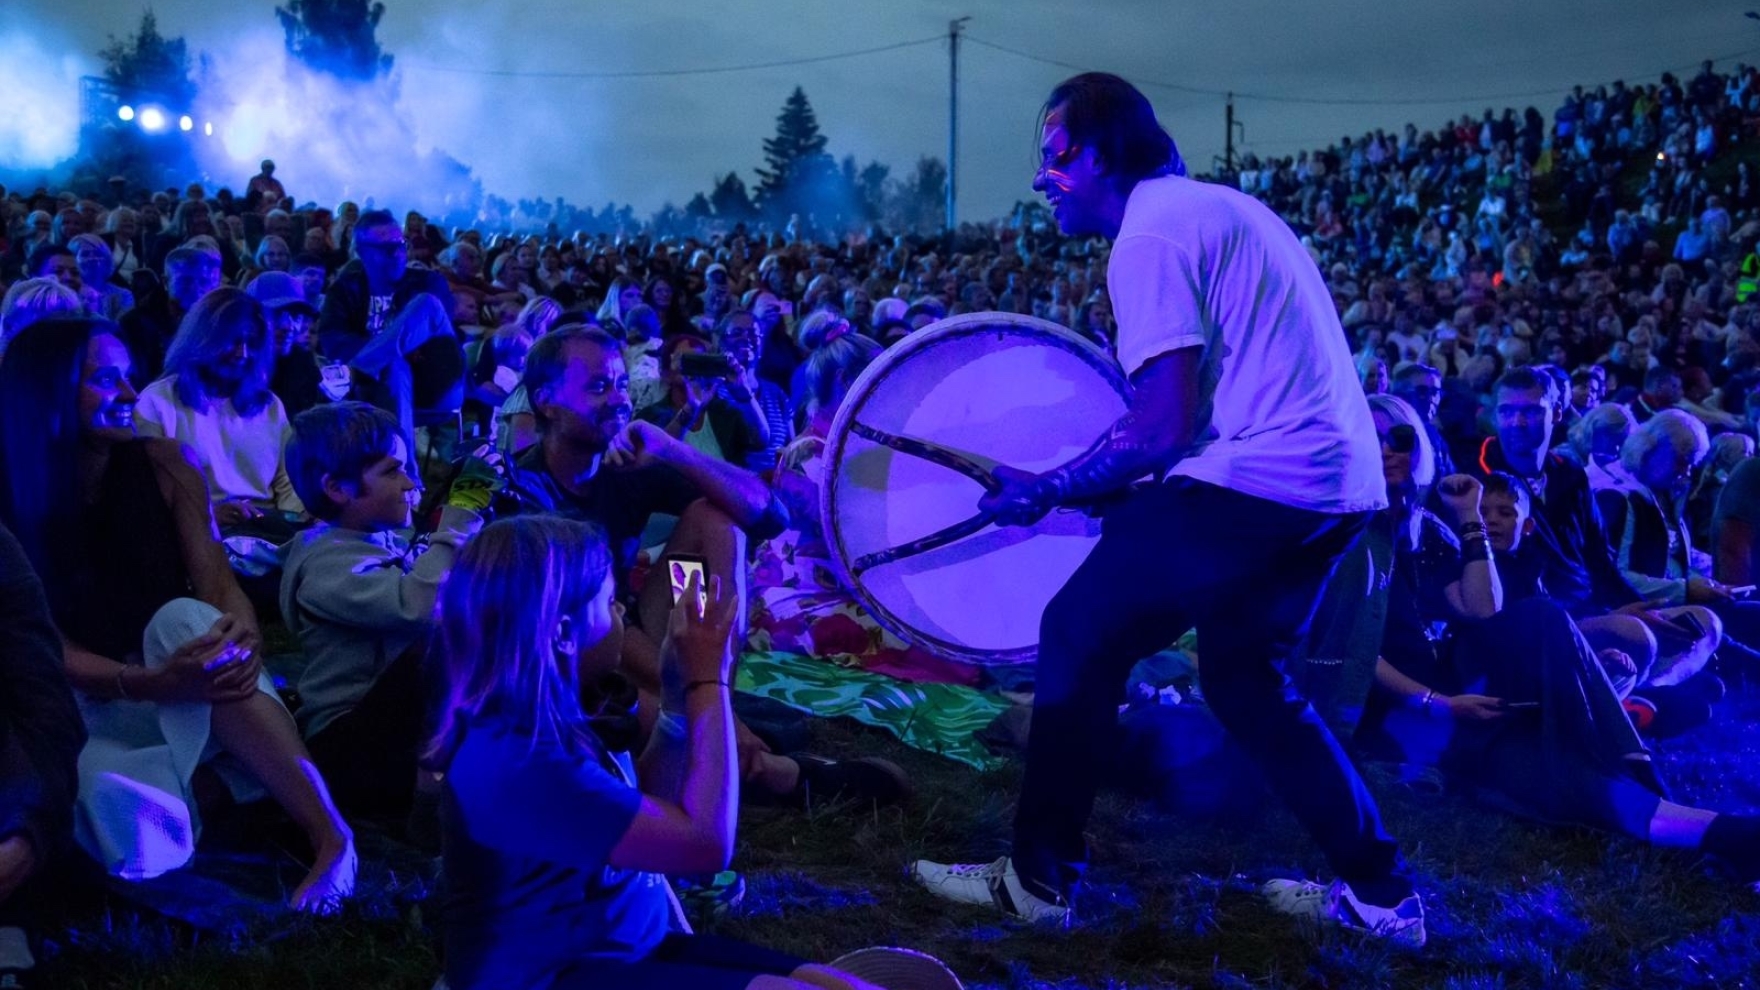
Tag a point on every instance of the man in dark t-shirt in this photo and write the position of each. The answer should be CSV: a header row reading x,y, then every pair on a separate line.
x,y
594,463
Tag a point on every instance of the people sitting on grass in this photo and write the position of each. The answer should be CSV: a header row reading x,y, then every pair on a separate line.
x,y
360,596
1576,558
730,428
593,462
40,739
162,646
216,401
1513,701
390,326
148,328
556,841
1642,498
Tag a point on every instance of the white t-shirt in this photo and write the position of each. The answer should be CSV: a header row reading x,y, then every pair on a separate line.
x,y
1282,415
241,455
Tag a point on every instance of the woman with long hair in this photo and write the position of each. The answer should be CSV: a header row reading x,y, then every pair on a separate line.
x,y
161,645
215,398
555,845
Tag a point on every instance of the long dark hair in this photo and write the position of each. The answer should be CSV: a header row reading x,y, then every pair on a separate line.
x,y
40,498
207,330
1103,112
493,650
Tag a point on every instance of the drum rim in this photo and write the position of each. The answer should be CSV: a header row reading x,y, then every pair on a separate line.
x,y
953,327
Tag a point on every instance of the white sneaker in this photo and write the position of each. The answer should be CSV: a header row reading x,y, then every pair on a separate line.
x,y
1335,904
994,885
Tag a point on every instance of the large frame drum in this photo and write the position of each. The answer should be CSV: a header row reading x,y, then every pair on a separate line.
x,y
910,454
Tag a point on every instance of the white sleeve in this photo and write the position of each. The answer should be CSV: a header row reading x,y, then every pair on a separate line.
x,y
1157,299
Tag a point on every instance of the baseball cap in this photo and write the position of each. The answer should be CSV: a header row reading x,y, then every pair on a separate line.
x,y
278,290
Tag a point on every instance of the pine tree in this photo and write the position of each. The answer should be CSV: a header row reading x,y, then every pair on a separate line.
x,y
338,37
797,142
150,64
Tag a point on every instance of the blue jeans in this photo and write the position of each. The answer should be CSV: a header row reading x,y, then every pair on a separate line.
x,y
1247,573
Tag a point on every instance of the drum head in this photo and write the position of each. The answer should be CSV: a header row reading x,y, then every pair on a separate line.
x,y
983,389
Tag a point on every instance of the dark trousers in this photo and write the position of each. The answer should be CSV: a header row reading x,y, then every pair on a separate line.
x,y
368,754
1247,573
1563,761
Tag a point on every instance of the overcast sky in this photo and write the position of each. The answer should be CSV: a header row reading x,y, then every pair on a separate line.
x,y
648,140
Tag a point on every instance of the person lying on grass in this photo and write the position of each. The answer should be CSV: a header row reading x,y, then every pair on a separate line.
x,y
554,846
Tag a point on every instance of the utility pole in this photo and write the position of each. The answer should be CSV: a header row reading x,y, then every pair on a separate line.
x,y
1228,139
953,29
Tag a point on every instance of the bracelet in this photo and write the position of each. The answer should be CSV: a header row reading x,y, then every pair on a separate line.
x,y
1429,702
692,686
1475,549
1470,528
121,685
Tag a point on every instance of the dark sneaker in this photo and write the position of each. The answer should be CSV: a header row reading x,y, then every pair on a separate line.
x,y
865,779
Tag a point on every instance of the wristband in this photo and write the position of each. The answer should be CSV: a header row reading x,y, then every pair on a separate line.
x,y
1469,528
692,686
1478,548
121,685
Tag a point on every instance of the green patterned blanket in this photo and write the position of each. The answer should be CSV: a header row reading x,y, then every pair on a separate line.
x,y
936,718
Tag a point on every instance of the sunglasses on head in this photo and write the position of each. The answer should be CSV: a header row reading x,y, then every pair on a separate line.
x,y
1402,438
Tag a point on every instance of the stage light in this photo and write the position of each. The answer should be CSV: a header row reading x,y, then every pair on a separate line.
x,y
125,112
185,124
152,119
208,128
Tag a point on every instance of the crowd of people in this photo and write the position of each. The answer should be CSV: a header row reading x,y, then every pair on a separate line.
x,y
456,464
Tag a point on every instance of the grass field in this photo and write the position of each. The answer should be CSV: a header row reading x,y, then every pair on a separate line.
x,y
1172,903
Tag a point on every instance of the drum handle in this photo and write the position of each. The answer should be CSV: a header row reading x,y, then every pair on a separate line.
x,y
934,541
932,452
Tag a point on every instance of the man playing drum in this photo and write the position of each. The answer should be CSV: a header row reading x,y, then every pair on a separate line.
x,y
1247,413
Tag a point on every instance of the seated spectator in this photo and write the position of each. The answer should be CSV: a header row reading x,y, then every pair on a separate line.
x,y
592,463
360,597
1597,439
40,739
31,301
296,380
555,840
58,262
162,647
1728,451
391,326
797,604
1421,387
122,230
272,255
737,339
694,411
642,340
1574,552
215,400
496,363
1662,390
1516,703
104,295
147,329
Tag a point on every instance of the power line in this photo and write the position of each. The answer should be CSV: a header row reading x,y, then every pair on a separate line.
x,y
1313,100
663,73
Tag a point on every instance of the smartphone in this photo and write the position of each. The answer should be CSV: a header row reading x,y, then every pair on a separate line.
x,y
696,365
679,571
1742,591
1520,705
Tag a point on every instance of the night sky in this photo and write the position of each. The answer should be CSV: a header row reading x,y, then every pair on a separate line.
x,y
650,140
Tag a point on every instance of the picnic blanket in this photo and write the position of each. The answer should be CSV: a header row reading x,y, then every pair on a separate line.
x,y
937,718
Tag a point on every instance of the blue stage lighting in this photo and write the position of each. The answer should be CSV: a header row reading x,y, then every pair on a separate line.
x,y
208,128
185,124
125,112
152,119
